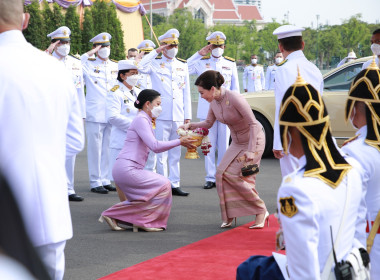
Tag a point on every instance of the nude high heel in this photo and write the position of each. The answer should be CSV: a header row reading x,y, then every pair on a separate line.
x,y
228,223
110,222
261,225
136,229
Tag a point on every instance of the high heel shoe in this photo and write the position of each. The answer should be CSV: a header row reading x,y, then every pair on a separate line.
x,y
110,222
261,225
228,223
136,229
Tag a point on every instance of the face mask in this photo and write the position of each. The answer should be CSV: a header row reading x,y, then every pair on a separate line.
x,y
156,111
254,60
375,48
352,118
217,52
63,50
278,60
172,52
104,52
132,58
132,80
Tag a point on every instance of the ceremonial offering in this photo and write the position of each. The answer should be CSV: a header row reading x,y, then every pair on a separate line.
x,y
199,134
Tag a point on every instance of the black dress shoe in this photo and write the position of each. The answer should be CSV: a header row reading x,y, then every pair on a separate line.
x,y
110,188
99,189
209,185
179,192
75,197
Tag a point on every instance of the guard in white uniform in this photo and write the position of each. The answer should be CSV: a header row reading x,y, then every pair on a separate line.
x,y
253,76
285,77
324,192
145,47
100,75
120,108
219,133
40,123
375,48
363,110
350,57
60,39
270,76
170,77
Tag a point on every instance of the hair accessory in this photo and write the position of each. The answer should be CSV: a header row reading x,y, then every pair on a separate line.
x,y
137,102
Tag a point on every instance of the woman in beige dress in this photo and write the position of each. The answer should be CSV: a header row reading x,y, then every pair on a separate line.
x,y
238,195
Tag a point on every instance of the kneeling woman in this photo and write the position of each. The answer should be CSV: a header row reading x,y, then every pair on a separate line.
x,y
149,197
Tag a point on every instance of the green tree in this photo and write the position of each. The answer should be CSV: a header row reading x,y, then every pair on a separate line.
x,y
35,33
100,16
72,22
234,38
48,18
157,20
114,28
267,40
58,19
330,44
88,30
354,32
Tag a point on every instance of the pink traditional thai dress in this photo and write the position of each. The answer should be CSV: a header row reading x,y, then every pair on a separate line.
x,y
149,197
237,194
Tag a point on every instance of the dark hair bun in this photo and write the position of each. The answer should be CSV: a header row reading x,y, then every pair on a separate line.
x,y
144,96
209,79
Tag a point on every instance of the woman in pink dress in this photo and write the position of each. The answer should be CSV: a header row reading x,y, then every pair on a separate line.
x,y
149,196
237,194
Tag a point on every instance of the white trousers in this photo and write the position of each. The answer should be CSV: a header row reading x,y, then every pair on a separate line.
x,y
113,153
219,135
165,131
98,139
70,165
288,164
53,256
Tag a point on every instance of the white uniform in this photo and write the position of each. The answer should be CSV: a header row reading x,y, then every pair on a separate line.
x,y
369,158
73,65
100,76
308,207
286,75
367,63
145,82
40,123
254,78
120,114
270,77
170,77
219,133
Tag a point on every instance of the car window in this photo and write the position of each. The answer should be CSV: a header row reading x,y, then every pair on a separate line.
x,y
342,79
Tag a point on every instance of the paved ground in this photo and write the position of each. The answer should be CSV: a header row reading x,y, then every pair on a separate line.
x,y
96,251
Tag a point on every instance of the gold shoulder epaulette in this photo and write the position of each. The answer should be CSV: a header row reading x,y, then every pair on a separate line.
x,y
271,64
137,87
229,58
114,60
74,56
206,57
350,140
283,62
159,56
115,88
91,59
182,60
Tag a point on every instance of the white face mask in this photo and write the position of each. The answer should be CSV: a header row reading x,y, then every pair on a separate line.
x,y
217,52
172,52
254,60
132,58
352,118
375,48
278,60
63,50
132,80
156,111
104,52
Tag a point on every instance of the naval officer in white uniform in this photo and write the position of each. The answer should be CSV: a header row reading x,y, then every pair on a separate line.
x,y
219,133
270,76
100,75
40,123
363,110
291,45
120,109
145,47
253,76
170,77
60,47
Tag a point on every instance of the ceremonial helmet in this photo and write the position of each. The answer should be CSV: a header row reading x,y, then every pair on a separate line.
x,y
303,107
366,88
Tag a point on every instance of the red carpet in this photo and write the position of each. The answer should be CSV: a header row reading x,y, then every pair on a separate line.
x,y
215,257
